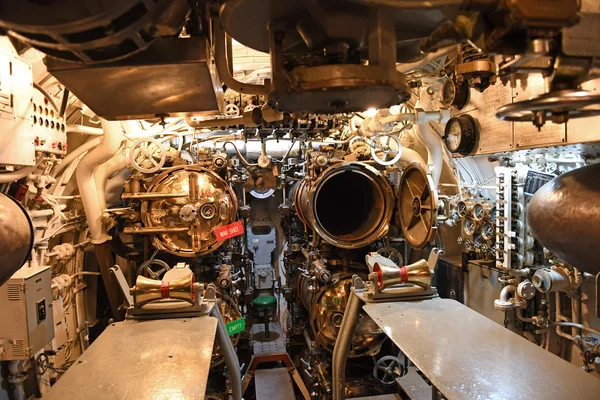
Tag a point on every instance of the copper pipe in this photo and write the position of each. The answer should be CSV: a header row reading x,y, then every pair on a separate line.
x,y
151,196
153,230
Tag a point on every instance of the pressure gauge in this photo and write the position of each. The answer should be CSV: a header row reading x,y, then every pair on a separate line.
x,y
461,134
455,95
481,211
469,227
488,230
464,208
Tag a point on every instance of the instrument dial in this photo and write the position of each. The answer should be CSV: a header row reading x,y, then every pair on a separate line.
x,y
481,211
455,95
461,134
488,230
464,208
469,227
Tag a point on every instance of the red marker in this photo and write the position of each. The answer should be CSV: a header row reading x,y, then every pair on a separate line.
x,y
229,231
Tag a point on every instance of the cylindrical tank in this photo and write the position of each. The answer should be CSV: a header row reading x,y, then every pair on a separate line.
x,y
564,216
189,221
326,309
16,236
349,205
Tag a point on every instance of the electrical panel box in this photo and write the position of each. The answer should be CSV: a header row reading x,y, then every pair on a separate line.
x,y
16,88
26,313
28,122
49,132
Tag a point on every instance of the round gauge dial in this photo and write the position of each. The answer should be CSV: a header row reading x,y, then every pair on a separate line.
x,y
464,208
461,134
469,227
481,211
455,95
488,230
448,93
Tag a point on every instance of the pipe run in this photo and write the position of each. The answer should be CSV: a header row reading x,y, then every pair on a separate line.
x,y
341,350
84,130
231,359
432,141
119,161
7,177
504,303
90,144
92,204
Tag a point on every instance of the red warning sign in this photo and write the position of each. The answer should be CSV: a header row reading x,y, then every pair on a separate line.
x,y
229,231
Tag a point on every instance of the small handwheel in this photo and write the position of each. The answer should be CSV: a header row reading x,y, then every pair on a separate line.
x,y
380,151
153,269
358,146
404,109
387,369
232,110
43,363
144,150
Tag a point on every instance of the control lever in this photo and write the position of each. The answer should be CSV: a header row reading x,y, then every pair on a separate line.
x,y
116,271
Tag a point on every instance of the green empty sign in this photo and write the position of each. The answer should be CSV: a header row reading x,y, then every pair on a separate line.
x,y
236,326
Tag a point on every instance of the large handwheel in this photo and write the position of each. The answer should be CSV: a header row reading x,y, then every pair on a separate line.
x,y
381,151
144,150
388,369
154,269
557,106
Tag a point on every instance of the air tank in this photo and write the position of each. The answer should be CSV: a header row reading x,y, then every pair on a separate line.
x,y
16,236
564,216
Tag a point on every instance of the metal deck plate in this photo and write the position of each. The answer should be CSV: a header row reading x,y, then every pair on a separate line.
x,y
414,386
272,384
143,360
276,346
468,356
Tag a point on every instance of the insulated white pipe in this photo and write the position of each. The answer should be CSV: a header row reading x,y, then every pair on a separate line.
x,y
431,140
84,130
105,170
7,177
506,290
76,153
409,156
44,213
92,203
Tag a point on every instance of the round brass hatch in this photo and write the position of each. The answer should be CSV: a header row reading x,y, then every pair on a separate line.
x,y
417,206
197,201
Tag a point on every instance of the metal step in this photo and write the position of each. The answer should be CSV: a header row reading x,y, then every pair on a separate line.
x,y
274,384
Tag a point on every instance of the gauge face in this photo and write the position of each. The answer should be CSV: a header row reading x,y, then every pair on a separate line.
x,y
461,134
462,209
453,135
469,227
478,212
488,230
481,211
454,94
448,93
